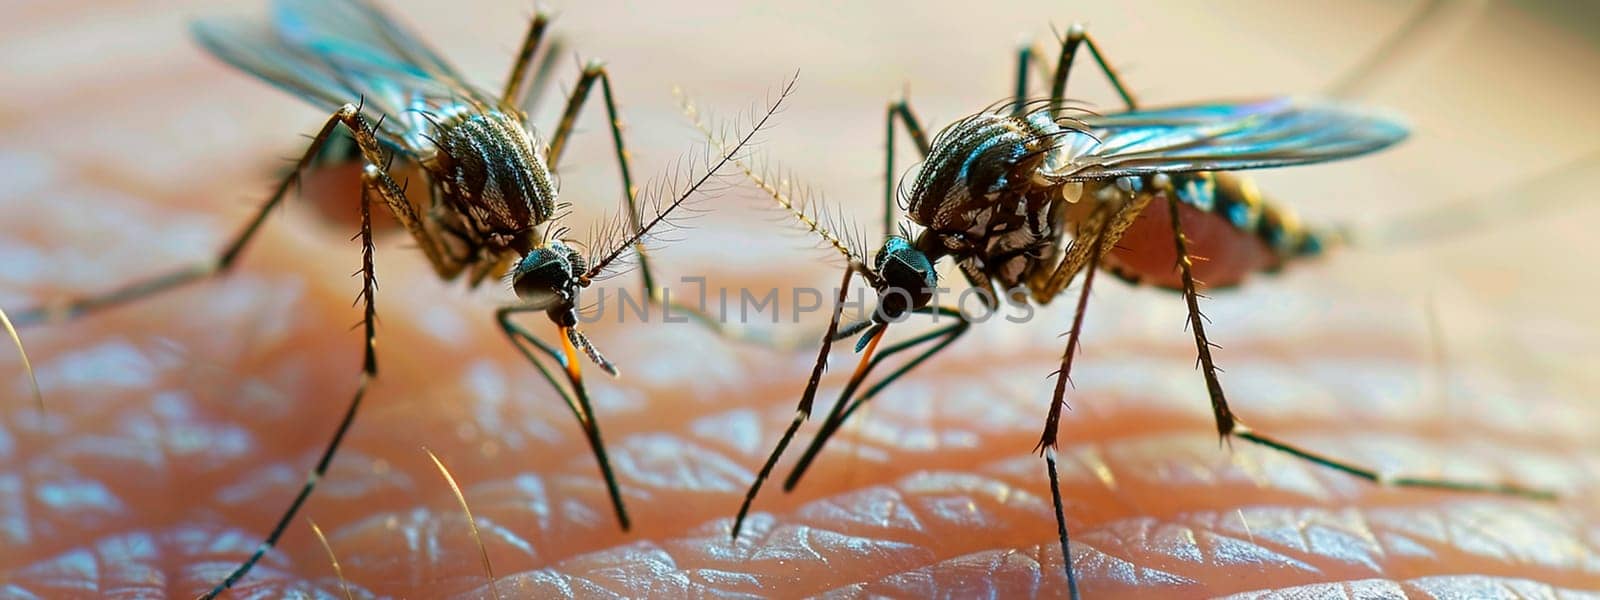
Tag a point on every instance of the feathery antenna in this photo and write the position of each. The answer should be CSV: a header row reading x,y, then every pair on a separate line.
x,y
664,210
798,199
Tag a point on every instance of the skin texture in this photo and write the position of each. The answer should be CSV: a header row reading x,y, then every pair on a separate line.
x,y
177,429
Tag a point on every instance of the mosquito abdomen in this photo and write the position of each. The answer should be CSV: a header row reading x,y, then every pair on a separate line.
x,y
1232,230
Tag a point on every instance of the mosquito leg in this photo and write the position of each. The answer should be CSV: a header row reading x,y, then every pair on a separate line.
x,y
515,90
1028,56
72,308
803,411
1503,489
580,93
1219,403
1105,224
900,109
369,370
1077,36
339,149
577,401
1061,521
540,85
1019,99
1228,425
847,405
1047,440
945,335
1064,375
394,196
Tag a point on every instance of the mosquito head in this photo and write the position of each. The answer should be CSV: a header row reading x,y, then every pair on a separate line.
x,y
548,277
906,278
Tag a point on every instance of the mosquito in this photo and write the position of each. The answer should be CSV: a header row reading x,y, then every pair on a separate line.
x,y
1141,193
493,205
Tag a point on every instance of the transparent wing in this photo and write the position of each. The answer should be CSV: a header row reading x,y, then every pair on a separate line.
x,y
1222,137
331,52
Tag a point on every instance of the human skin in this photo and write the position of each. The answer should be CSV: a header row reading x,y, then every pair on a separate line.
x,y
176,429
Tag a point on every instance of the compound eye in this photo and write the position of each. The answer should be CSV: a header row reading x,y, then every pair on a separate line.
x,y
543,278
908,279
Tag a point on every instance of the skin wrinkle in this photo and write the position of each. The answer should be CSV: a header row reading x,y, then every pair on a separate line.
x,y
1424,587
1303,527
233,384
1524,573
1242,455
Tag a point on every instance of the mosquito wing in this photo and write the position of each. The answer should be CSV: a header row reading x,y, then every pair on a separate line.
x,y
1221,137
331,52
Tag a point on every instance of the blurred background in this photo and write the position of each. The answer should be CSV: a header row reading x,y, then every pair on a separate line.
x,y
177,429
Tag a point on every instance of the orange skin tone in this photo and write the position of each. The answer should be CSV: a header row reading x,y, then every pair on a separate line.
x,y
192,418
